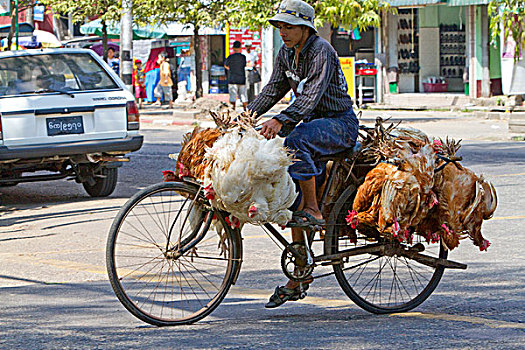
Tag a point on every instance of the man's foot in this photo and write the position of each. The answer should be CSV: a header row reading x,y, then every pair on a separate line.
x,y
284,294
303,218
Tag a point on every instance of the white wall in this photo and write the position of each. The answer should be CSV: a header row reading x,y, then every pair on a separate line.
x,y
267,54
428,54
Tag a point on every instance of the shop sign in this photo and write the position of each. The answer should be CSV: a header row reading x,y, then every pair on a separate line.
x,y
244,35
347,65
5,8
38,13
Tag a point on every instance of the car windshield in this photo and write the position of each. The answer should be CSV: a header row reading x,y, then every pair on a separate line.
x,y
48,73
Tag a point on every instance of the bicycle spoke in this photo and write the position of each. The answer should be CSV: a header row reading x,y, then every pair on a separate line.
x,y
385,283
150,278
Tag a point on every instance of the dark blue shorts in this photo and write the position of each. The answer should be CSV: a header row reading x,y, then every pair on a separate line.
x,y
314,138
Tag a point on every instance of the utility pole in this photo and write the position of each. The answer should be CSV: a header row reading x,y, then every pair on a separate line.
x,y
126,42
16,24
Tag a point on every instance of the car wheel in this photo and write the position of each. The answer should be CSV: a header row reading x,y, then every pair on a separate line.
x,y
103,186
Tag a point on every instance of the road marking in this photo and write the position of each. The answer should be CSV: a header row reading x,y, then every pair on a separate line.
x,y
508,175
508,217
315,301
459,318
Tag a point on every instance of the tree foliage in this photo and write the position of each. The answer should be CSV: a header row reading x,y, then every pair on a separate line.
x,y
107,10
347,13
508,16
22,5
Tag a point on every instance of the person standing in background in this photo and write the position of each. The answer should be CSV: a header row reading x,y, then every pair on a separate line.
x,y
165,80
138,82
235,65
113,61
252,58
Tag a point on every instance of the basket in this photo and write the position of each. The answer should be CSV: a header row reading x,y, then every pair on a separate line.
x,y
435,87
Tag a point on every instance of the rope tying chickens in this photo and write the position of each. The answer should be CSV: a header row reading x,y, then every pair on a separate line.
x,y
240,171
412,190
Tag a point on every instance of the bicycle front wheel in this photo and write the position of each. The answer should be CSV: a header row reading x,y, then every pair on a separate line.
x,y
165,264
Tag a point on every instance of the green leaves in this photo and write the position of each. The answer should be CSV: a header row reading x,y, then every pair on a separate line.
x,y
348,13
508,16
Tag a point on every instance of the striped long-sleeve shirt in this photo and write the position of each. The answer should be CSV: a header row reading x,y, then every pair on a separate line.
x,y
317,81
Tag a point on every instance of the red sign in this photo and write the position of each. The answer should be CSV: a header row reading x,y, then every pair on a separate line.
x,y
244,35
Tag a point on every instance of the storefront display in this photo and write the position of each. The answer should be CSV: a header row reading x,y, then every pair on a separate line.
x,y
408,42
452,45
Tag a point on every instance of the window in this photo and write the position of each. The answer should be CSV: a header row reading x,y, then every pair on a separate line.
x,y
35,74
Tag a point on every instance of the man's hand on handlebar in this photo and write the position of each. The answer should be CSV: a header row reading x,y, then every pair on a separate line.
x,y
270,128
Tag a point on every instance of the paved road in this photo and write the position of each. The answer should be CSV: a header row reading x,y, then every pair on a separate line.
x,y
54,291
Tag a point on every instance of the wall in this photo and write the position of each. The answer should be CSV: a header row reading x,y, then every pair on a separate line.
x,y
495,60
479,51
428,54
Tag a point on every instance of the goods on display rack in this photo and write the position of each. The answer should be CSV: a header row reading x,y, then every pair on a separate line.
x,y
365,82
408,41
435,84
452,50
218,80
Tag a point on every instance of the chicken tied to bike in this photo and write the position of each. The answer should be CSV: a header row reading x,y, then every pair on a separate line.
x,y
395,205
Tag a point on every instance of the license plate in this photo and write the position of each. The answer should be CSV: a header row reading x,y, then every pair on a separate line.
x,y
64,126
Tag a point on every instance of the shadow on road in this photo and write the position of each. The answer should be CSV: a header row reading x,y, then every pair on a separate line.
x,y
88,315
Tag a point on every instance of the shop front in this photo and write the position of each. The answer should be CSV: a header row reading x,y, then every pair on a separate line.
x,y
432,45
428,47
358,47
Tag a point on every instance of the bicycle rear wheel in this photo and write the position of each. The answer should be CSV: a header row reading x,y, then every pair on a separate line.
x,y
387,283
165,264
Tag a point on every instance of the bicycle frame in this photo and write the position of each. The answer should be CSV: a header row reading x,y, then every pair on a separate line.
x,y
347,162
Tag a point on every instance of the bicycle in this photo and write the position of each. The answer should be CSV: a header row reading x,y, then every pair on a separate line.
x,y
168,267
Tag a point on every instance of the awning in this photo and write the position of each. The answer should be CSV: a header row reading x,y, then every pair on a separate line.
x,y
148,31
178,29
466,2
409,3
113,29
23,29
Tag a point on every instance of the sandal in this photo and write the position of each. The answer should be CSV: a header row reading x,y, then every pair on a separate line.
x,y
283,294
303,219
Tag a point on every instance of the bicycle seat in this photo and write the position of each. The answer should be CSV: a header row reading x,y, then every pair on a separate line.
x,y
343,154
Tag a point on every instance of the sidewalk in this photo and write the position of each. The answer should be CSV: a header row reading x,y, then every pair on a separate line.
x,y
185,114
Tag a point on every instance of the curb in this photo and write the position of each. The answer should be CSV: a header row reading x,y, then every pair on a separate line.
x,y
168,121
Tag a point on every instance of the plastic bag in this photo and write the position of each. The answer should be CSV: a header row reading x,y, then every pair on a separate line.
x,y
254,76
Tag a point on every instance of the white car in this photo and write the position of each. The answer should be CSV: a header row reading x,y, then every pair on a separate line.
x,y
64,113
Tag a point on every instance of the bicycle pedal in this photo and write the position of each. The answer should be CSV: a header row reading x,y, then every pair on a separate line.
x,y
302,295
315,227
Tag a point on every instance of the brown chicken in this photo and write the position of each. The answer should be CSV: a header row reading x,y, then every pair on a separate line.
x,y
395,197
367,200
465,200
190,161
407,194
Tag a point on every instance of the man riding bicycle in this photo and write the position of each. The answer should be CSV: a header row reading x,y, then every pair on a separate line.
x,y
320,122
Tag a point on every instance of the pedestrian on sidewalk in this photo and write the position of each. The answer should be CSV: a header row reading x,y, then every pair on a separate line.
x,y
112,60
139,82
165,80
235,65
253,76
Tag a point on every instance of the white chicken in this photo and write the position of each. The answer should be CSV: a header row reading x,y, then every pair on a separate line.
x,y
248,177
